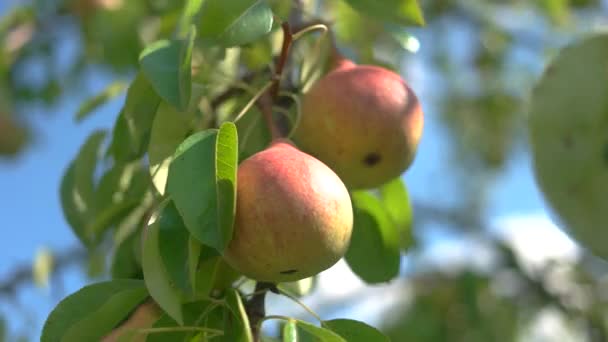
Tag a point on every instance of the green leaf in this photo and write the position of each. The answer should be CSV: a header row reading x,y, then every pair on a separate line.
x,y
132,128
374,248
167,65
235,22
194,254
405,12
213,274
290,331
396,201
236,325
85,166
74,208
124,263
156,275
321,334
169,129
193,316
202,183
299,288
253,133
355,331
173,245
226,163
93,311
90,105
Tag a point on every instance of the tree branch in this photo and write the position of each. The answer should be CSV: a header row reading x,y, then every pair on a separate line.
x,y
256,308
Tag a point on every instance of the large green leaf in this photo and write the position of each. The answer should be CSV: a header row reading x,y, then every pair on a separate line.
x,y
405,12
202,183
235,22
167,65
93,311
396,201
355,331
226,163
173,245
132,128
156,276
374,249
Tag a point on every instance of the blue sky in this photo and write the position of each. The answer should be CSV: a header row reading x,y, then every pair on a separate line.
x,y
31,212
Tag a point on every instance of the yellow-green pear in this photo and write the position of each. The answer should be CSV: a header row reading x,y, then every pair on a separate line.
x,y
363,121
568,126
294,216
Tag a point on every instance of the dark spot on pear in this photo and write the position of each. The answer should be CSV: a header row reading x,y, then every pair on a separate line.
x,y
372,159
289,272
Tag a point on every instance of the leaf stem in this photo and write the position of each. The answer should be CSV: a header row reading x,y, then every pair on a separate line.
x,y
300,303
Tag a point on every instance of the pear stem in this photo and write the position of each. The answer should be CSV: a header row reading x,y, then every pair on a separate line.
x,y
256,309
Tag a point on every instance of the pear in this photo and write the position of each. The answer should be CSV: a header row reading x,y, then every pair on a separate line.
x,y
294,216
363,121
568,125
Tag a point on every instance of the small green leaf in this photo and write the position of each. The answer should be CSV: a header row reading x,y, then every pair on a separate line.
x,y
132,128
193,317
235,22
156,276
374,248
226,162
90,105
405,12
169,129
213,273
74,208
93,311
355,331
236,326
322,334
167,65
173,245
290,331
299,288
85,166
397,203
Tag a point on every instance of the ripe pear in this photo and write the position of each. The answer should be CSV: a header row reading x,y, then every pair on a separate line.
x,y
568,128
363,121
294,216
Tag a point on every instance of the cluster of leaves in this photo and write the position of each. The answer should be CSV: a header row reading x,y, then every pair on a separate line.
x,y
159,195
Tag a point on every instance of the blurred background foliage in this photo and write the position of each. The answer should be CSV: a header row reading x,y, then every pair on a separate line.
x,y
479,59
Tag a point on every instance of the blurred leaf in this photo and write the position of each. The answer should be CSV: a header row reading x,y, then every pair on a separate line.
x,y
290,331
173,246
90,313
355,331
42,267
405,12
193,317
169,129
202,183
236,325
132,129
157,277
374,249
89,106
397,203
124,263
78,189
96,263
167,65
253,134
235,22
318,333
